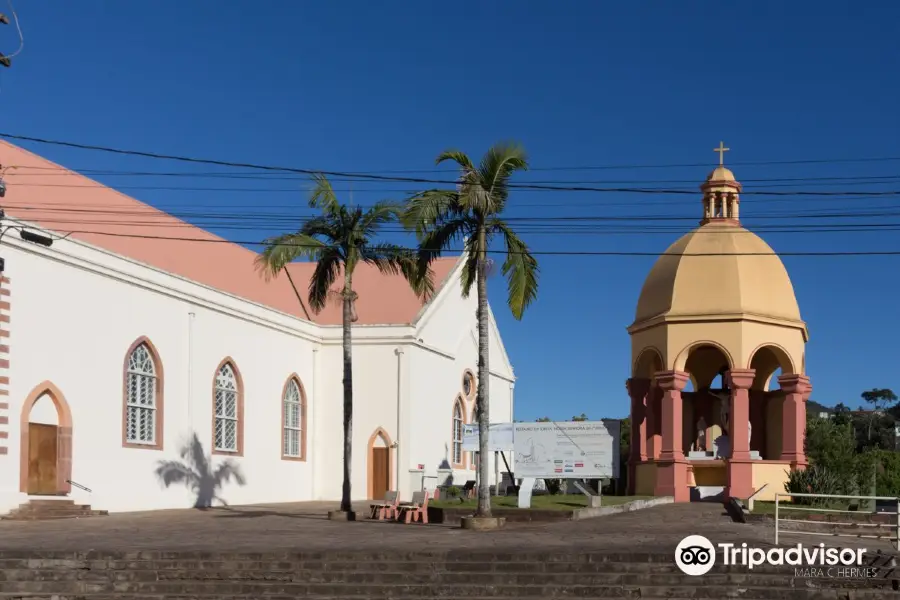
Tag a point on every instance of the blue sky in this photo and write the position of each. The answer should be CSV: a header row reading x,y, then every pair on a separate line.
x,y
359,86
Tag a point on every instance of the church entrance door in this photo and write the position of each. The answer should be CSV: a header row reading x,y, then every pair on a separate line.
x,y
381,472
43,455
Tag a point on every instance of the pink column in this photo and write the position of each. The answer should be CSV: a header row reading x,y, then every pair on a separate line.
x,y
796,390
654,416
637,390
740,467
671,472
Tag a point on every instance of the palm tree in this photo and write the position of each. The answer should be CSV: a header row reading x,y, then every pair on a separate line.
x,y
337,241
473,213
196,472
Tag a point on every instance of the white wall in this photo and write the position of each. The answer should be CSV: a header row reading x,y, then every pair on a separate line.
x,y
73,327
448,332
375,389
77,309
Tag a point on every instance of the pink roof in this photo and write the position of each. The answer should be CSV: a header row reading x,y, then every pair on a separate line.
x,y
218,264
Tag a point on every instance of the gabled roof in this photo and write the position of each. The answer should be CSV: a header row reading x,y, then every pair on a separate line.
x,y
64,201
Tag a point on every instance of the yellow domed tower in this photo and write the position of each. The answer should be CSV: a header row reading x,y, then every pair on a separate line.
x,y
717,311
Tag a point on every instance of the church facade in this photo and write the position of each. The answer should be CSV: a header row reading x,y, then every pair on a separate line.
x,y
117,348
718,386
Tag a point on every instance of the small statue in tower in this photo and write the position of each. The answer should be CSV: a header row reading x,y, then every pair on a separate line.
x,y
701,435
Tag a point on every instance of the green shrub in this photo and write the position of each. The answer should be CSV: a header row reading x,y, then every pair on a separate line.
x,y
453,491
884,465
814,480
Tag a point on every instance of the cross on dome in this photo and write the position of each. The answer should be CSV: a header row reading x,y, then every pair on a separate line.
x,y
721,150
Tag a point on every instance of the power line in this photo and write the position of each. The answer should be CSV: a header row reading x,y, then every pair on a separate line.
x,y
364,176
533,252
377,174
221,213
520,187
254,176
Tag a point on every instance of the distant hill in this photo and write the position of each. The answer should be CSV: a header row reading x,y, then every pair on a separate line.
x,y
814,408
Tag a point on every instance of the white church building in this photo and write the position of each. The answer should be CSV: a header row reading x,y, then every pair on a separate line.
x,y
116,349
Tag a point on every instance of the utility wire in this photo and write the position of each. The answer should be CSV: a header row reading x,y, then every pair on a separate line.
x,y
293,216
58,171
365,176
376,174
533,252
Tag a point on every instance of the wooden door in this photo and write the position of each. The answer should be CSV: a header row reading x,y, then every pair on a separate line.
x,y
381,472
42,459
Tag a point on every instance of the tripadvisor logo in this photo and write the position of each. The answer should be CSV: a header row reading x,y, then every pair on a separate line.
x,y
696,555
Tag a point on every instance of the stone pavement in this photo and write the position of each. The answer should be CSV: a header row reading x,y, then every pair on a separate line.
x,y
304,527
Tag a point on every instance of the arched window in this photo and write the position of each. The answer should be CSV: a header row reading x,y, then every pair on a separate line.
x,y
468,385
228,410
458,434
143,397
293,421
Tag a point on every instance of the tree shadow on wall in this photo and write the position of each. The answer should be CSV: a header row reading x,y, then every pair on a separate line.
x,y
195,471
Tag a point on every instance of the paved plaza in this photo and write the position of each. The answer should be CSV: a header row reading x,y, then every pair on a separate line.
x,y
304,527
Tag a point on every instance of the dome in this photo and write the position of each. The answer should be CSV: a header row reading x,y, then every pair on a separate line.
x,y
740,274
721,174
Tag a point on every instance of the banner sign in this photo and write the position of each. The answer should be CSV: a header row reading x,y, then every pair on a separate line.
x,y
500,438
567,450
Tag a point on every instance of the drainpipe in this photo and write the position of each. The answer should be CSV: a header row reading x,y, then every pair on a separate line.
x,y
313,453
399,352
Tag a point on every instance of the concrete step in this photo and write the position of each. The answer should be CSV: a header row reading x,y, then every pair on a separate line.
x,y
40,510
94,575
247,591
396,574
436,565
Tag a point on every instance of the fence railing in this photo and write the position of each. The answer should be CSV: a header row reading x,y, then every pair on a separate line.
x,y
893,528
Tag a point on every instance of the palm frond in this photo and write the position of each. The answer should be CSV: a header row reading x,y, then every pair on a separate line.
x,y
520,268
430,209
226,471
497,166
284,249
327,269
323,197
457,156
171,472
437,238
327,228
391,259
380,213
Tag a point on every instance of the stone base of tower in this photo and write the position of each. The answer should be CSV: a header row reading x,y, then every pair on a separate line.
x,y
672,480
710,480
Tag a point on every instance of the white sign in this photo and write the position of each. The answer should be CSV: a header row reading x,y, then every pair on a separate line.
x,y
567,450
500,437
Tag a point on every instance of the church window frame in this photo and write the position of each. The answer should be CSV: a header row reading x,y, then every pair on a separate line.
x,y
293,420
142,397
457,455
228,409
468,380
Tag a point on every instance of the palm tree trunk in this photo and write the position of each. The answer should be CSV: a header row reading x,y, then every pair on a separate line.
x,y
348,391
482,396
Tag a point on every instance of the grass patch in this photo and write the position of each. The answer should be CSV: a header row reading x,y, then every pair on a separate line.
x,y
543,502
